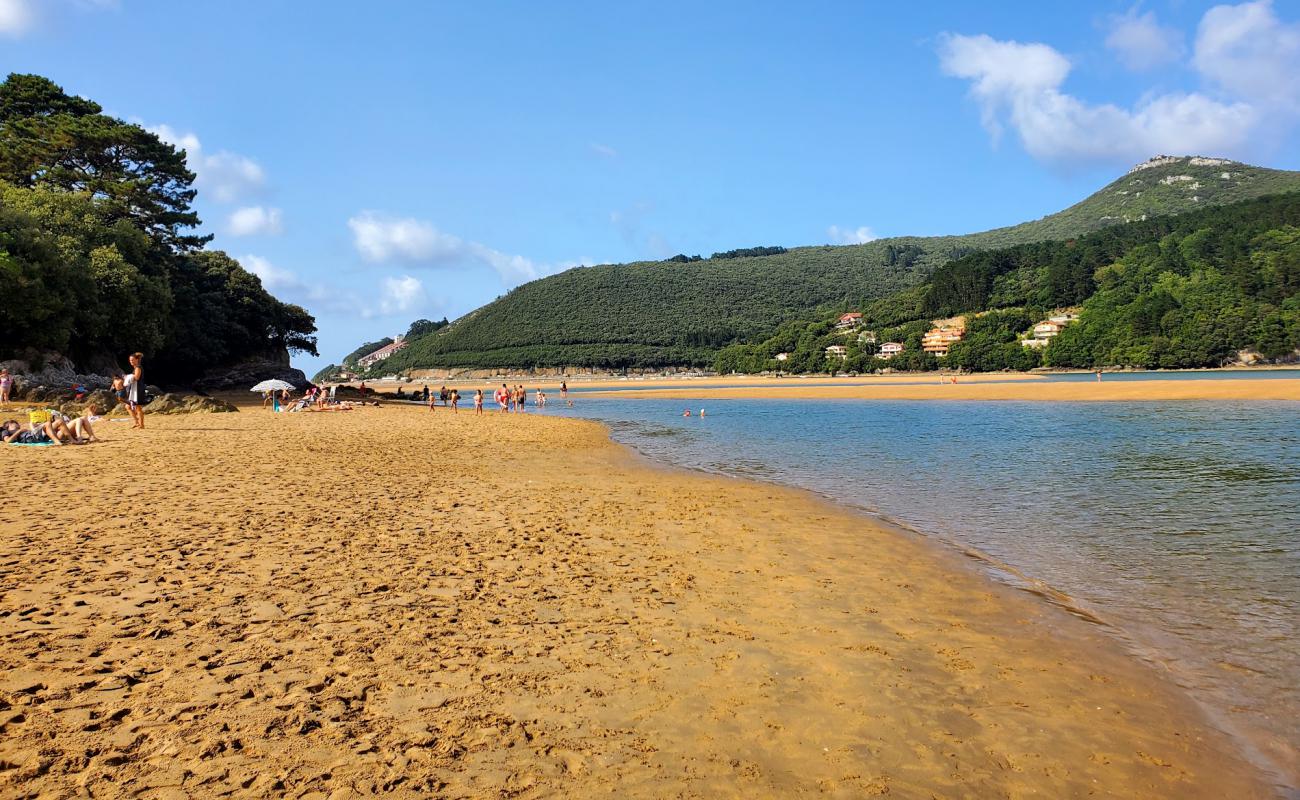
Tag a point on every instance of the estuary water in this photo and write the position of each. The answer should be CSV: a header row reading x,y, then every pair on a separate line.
x,y
1176,526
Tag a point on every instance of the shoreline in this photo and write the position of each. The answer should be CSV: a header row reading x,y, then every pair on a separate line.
x,y
728,626
1286,389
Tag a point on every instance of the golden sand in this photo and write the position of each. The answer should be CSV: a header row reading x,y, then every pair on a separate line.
x,y
966,389
325,605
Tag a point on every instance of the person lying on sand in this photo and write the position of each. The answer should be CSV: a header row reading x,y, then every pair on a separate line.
x,y
32,433
81,428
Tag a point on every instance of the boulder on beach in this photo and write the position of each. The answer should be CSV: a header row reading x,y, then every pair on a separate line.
x,y
172,403
249,373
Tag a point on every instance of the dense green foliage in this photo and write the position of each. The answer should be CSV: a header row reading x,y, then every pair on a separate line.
x,y
750,252
97,254
423,327
350,360
1185,291
329,372
686,311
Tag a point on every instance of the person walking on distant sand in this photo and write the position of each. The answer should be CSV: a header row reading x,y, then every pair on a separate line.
x,y
478,401
1098,376
135,390
6,385
454,398
503,399
426,393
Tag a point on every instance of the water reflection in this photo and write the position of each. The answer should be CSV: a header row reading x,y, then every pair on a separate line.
x,y
1175,523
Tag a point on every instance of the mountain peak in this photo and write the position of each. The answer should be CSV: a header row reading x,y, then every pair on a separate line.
x,y
1193,161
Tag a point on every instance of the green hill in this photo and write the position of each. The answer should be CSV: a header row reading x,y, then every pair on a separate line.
x,y
650,314
1201,289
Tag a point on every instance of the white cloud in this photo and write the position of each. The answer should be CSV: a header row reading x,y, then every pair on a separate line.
x,y
603,150
273,278
1020,85
224,176
860,235
1247,51
380,238
16,17
1140,42
402,295
255,221
315,296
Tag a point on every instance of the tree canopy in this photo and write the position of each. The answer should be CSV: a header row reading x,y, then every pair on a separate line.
x,y
98,254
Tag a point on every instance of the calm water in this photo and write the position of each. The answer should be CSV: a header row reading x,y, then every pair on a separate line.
x,y
1175,524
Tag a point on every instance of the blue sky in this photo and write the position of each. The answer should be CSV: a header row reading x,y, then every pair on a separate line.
x,y
383,162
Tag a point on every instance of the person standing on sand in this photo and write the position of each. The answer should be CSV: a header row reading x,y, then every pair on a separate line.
x,y
1098,376
454,397
6,385
564,390
426,393
478,401
135,390
503,399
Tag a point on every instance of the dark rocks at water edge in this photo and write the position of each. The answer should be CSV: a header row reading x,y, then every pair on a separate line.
x,y
249,373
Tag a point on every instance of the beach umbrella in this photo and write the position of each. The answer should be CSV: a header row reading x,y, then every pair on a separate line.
x,y
273,386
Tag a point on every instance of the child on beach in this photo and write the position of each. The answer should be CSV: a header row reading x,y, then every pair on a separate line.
x,y
6,385
478,401
455,401
135,390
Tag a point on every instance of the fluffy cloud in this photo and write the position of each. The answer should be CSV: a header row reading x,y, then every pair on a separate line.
x,y
1020,85
224,176
603,150
1249,59
274,279
859,235
402,295
1140,42
255,221
380,238
16,17
1247,51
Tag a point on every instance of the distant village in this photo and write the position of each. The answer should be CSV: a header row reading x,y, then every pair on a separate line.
x,y
940,338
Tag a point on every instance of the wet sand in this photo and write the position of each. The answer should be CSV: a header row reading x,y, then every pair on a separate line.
x,y
967,389
326,605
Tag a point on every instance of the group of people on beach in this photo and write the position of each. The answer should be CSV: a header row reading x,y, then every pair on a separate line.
x,y
52,427
508,398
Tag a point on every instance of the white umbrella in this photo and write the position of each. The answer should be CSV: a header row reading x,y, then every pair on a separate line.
x,y
273,386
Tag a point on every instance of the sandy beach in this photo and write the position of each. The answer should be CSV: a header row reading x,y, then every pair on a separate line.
x,y
395,600
967,389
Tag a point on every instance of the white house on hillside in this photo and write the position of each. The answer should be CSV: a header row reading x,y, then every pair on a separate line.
x,y
382,353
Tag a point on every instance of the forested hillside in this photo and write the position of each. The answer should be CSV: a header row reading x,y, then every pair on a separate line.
x,y
98,251
1192,290
683,311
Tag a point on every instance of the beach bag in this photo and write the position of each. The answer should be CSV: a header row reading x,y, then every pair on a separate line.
x,y
39,417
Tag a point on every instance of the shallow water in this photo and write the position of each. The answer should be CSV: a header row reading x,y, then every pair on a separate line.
x,y
1172,524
